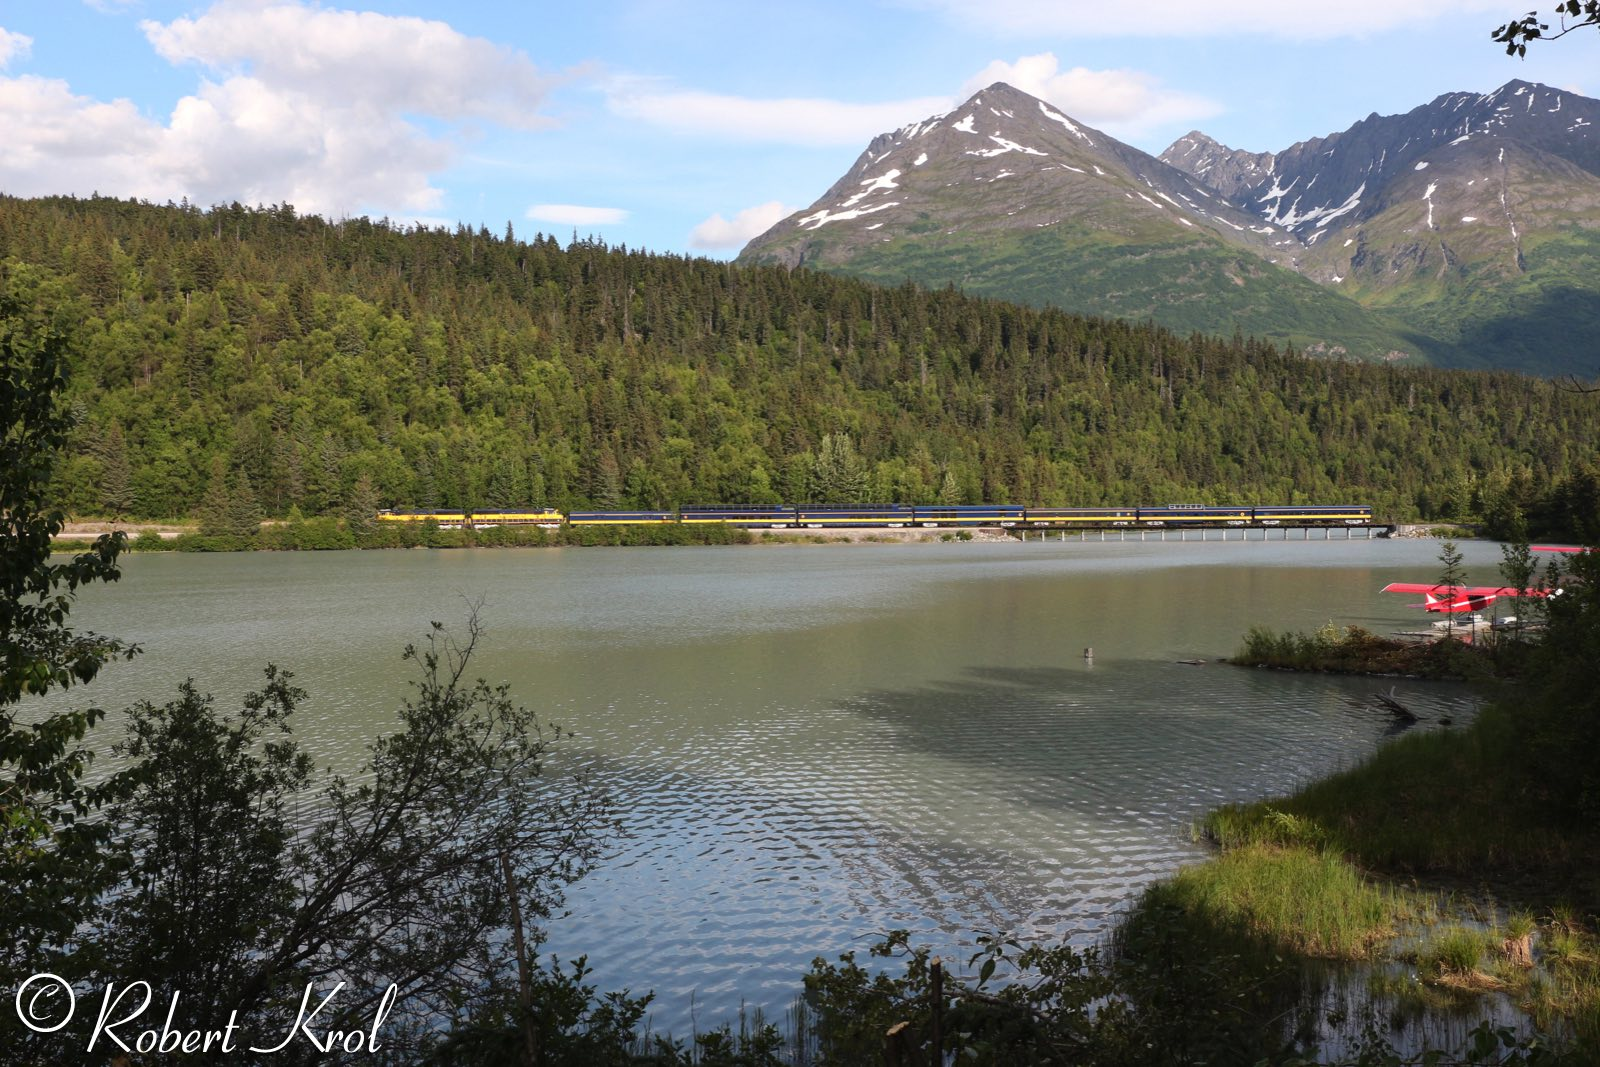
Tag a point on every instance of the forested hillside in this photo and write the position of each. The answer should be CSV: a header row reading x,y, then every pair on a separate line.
x,y
319,366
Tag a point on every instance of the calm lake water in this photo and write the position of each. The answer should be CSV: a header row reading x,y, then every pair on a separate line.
x,y
809,745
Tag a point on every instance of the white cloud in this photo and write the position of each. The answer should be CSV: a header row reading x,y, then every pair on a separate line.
x,y
783,120
718,232
1125,102
1122,102
13,46
577,214
1080,19
57,142
297,104
399,64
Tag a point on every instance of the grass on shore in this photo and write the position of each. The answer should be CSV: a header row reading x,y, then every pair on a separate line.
x,y
1454,809
1436,803
1354,650
1299,898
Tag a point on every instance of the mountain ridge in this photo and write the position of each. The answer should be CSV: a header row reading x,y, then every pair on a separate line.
x,y
1422,235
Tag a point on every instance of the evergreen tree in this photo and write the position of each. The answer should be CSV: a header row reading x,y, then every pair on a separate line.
x,y
838,474
607,490
1451,579
508,483
324,486
216,507
1518,568
288,479
116,478
949,488
244,510
360,513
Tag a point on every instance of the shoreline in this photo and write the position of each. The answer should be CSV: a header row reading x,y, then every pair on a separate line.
x,y
329,534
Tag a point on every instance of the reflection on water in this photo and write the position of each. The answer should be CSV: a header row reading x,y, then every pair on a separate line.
x,y
812,744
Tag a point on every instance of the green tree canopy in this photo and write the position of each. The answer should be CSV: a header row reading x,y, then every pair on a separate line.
x,y
51,866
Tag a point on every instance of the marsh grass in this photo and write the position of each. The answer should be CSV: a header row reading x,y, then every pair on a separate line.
x,y
1300,899
1452,809
1452,955
1438,802
1354,650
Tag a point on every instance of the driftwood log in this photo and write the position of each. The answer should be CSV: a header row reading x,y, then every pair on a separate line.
x,y
1397,709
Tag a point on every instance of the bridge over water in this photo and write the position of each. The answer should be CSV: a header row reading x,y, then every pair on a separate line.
x,y
1181,533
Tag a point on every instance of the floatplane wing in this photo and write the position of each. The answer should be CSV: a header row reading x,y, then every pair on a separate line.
x,y
1454,600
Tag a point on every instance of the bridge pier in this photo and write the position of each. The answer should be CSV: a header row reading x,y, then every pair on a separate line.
x,y
1246,533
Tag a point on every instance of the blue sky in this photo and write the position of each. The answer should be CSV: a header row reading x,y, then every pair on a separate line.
x,y
666,124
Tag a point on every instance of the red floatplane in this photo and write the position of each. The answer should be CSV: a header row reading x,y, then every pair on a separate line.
x,y
1460,599
1457,599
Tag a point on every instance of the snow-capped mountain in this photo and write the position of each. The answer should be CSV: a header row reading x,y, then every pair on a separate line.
x,y
1008,196
1343,179
1474,219
1004,160
1467,229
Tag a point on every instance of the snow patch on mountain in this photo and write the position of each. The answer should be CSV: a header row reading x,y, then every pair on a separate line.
x,y
1005,146
879,184
823,217
1056,116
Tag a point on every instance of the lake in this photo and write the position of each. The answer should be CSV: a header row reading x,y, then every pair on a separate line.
x,y
812,744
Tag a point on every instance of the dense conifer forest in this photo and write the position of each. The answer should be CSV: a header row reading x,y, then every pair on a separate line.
x,y
280,362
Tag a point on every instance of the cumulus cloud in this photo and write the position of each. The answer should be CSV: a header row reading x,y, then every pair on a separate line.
x,y
577,214
1122,102
55,141
295,104
718,232
1184,18
811,121
13,46
397,64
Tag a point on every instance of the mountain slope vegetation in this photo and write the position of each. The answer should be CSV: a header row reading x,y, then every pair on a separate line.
x,y
316,365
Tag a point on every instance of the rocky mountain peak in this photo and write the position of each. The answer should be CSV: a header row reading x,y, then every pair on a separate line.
x,y
1347,177
1230,171
1002,161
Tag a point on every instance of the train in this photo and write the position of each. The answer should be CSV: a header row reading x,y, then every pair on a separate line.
x,y
824,516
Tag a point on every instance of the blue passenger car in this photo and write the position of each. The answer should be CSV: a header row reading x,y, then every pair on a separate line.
x,y
1194,515
620,518
969,514
747,516
1081,517
817,516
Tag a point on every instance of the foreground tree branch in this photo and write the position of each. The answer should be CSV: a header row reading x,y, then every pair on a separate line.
x,y
395,877
1570,15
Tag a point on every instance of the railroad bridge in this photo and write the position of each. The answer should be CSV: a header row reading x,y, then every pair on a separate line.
x,y
1223,533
